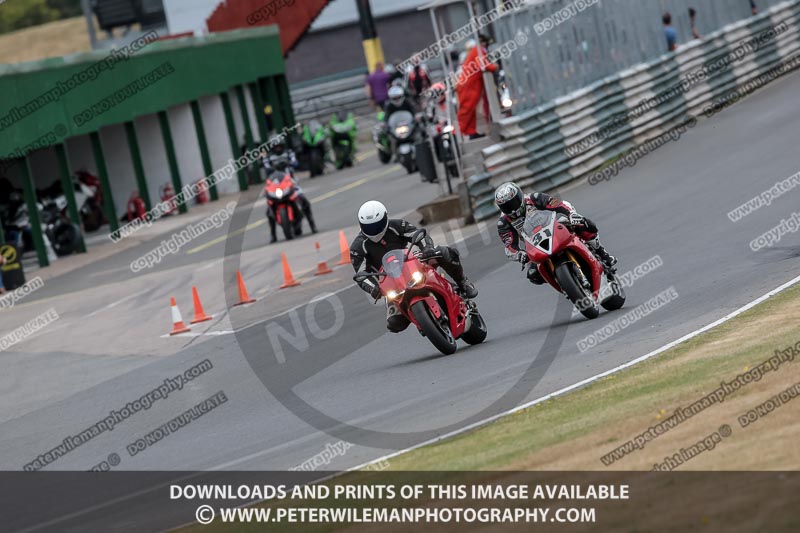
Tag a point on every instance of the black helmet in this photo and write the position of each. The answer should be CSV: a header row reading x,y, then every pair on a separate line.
x,y
510,199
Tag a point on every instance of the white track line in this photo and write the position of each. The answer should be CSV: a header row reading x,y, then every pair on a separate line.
x,y
722,320
586,381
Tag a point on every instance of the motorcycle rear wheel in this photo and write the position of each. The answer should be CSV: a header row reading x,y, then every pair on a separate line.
x,y
575,292
477,331
436,332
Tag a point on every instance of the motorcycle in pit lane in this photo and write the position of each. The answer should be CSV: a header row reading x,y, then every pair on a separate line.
x,y
427,299
380,136
568,265
405,131
281,192
343,139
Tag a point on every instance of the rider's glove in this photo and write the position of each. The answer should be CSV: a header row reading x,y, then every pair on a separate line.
x,y
521,257
428,253
576,219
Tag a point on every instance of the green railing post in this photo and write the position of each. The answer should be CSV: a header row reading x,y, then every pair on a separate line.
x,y
258,103
172,159
248,130
275,101
285,100
102,173
33,213
226,107
138,167
69,192
202,142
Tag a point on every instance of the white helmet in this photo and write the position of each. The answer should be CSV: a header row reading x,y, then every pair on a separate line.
x,y
374,219
396,95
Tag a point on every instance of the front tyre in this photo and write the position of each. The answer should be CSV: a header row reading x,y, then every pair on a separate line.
x,y
286,224
580,297
439,334
477,331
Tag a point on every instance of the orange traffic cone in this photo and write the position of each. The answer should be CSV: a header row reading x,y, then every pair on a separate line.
x,y
177,322
288,279
199,313
322,266
244,297
345,260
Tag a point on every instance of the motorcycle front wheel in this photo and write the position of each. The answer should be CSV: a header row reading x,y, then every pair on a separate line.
x,y
439,334
384,157
286,224
577,294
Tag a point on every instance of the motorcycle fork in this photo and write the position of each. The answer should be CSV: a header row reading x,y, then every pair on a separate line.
x,y
584,280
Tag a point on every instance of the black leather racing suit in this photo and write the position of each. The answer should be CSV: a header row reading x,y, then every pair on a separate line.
x,y
509,229
366,256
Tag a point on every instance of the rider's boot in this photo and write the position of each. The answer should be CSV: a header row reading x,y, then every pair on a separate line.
x,y
272,231
596,246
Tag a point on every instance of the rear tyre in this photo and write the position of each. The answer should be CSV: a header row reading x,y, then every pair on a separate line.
x,y
65,239
617,299
477,332
577,294
286,224
436,332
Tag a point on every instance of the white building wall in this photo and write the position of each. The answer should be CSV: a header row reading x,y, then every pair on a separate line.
x,y
121,175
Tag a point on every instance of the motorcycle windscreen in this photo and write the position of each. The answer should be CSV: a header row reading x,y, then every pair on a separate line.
x,y
400,118
393,263
537,220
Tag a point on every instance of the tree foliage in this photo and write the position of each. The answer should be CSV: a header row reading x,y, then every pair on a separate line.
x,y
18,14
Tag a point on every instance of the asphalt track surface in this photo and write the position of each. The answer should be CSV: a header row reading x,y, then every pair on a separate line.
x,y
386,392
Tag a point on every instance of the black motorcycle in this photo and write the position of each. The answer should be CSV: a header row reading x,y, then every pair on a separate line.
x,y
406,134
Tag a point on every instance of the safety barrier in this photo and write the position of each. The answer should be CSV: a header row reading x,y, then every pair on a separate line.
x,y
579,134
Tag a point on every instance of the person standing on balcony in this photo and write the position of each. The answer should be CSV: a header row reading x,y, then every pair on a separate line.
x,y
693,23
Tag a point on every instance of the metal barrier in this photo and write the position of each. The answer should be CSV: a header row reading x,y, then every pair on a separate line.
x,y
581,133
572,43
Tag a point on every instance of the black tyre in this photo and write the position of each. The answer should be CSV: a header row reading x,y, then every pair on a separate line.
x,y
439,334
286,224
617,300
477,331
580,297
384,157
94,219
65,239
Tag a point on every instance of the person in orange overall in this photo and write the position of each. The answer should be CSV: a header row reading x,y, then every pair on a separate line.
x,y
470,88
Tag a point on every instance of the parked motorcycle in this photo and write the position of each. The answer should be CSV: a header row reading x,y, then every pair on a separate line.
x,y
380,136
406,133
568,265
281,191
64,237
343,139
431,302
314,148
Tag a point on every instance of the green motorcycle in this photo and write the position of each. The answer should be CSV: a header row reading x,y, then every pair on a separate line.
x,y
314,148
380,136
342,128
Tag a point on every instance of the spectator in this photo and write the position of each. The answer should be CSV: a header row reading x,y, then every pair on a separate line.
x,y
378,86
471,90
693,23
753,8
418,80
669,32
397,72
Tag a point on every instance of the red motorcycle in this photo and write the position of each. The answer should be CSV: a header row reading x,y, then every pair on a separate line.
x,y
427,299
566,263
281,191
